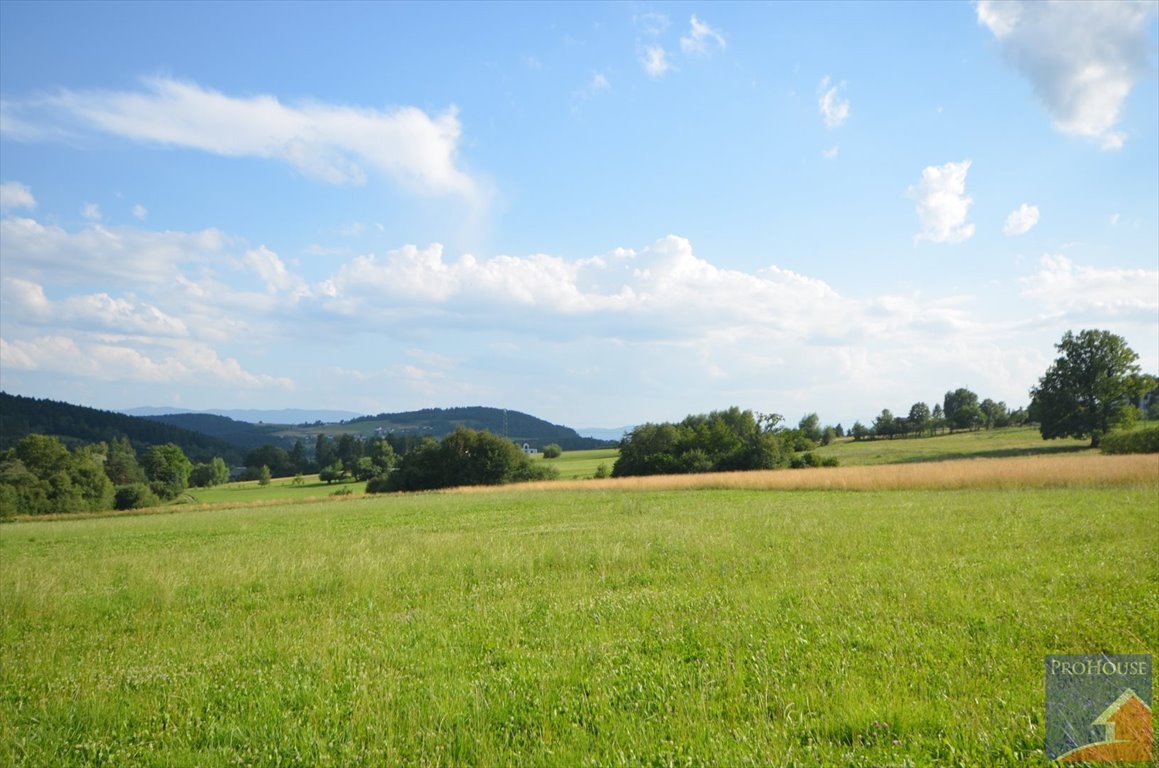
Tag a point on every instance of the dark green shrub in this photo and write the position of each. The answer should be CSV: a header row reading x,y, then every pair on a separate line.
x,y
135,496
1135,441
380,484
552,451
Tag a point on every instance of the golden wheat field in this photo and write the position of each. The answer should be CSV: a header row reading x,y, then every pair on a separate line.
x,y
1064,471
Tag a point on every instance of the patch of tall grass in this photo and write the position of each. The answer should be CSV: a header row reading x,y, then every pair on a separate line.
x,y
1061,471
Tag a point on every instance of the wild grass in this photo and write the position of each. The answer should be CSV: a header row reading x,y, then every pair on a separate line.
x,y
1060,471
554,627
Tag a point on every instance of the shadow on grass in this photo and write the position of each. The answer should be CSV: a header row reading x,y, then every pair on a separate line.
x,y
997,453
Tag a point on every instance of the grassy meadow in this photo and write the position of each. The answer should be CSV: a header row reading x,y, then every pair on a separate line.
x,y
587,623
983,444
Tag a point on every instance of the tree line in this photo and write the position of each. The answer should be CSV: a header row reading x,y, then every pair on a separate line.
x,y
40,475
720,441
959,411
1091,390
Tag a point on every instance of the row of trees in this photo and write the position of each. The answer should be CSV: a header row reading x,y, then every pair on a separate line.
x,y
1091,389
959,410
40,475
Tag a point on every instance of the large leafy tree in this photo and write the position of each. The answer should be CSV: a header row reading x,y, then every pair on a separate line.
x,y
1089,390
168,470
962,410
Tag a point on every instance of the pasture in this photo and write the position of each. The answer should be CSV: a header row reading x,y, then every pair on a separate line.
x,y
586,623
988,443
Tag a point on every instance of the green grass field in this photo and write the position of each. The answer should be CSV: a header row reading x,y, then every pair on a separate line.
x,y
997,443
279,489
580,464
598,627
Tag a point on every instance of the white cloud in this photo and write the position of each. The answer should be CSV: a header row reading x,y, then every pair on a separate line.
x,y
25,301
1081,58
700,34
131,256
834,110
140,212
332,143
272,270
942,203
13,194
125,361
655,61
1115,219
663,290
1021,220
831,153
1063,287
91,211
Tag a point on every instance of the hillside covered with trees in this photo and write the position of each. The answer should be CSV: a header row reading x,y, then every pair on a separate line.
x,y
77,425
514,425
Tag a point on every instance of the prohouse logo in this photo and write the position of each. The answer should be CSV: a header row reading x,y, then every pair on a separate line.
x,y
1098,708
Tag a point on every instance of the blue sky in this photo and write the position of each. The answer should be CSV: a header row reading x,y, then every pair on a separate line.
x,y
601,214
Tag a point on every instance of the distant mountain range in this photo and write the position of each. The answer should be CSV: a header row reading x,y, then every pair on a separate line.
x,y
515,425
256,416
78,425
203,435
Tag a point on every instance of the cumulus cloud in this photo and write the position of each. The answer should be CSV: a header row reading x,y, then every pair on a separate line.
x,y
26,301
699,36
332,143
942,203
91,211
13,194
831,153
1062,287
663,289
123,361
1021,220
1081,58
140,212
129,255
272,270
655,61
834,109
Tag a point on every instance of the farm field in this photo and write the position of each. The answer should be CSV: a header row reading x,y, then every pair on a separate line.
x,y
579,464
279,489
996,443
603,626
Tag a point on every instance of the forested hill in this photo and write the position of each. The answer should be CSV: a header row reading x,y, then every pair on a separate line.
x,y
518,426
76,424
239,433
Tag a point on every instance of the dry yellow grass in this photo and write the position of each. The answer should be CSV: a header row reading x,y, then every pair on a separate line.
x,y
1081,470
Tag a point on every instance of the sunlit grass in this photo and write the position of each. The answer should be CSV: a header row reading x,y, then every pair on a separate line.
x,y
703,627
986,443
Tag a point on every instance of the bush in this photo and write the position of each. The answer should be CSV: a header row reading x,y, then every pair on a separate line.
x,y
552,451
465,457
721,441
603,471
380,484
1135,441
810,459
135,496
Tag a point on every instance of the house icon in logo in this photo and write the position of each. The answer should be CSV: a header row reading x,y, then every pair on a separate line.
x,y
1126,725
